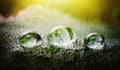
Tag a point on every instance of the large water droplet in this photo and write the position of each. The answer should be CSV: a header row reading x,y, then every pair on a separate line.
x,y
94,41
30,40
61,37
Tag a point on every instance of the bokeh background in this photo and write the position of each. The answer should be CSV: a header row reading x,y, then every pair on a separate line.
x,y
105,11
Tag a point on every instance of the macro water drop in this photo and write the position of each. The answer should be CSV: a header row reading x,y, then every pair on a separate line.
x,y
30,40
61,36
94,41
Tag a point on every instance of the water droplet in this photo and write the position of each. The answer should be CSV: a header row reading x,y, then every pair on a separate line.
x,y
61,37
94,41
30,40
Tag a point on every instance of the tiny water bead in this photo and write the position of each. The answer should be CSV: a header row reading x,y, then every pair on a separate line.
x,y
30,40
94,41
61,37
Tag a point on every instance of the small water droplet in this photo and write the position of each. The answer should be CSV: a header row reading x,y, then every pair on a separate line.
x,y
30,40
94,41
61,37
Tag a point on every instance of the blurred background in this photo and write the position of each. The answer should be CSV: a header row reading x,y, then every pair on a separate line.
x,y
96,11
